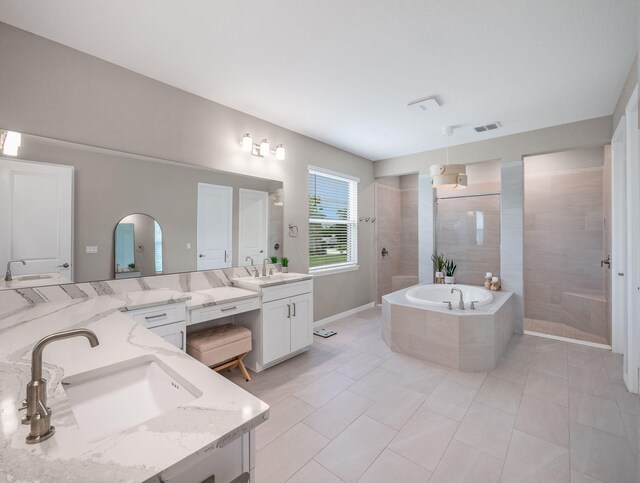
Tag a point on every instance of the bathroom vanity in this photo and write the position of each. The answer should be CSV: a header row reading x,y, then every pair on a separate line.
x,y
133,408
284,326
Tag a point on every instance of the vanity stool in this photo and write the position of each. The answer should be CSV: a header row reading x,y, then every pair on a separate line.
x,y
221,347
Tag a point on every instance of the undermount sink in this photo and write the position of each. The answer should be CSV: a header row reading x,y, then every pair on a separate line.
x,y
114,398
276,277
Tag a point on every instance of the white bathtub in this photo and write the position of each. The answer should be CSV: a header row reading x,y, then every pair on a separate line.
x,y
437,294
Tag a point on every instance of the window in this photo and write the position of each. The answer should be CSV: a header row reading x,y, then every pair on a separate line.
x,y
158,246
333,220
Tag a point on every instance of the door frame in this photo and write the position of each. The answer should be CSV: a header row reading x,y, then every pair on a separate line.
x,y
632,273
618,240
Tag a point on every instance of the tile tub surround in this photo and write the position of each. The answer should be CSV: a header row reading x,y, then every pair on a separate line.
x,y
155,450
453,426
461,339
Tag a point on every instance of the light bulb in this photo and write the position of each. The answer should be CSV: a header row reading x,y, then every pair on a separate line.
x,y
264,147
279,152
247,143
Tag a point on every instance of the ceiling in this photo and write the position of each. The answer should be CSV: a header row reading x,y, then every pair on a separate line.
x,y
343,71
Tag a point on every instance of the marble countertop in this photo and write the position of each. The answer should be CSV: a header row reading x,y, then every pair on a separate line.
x,y
153,451
258,283
23,281
218,295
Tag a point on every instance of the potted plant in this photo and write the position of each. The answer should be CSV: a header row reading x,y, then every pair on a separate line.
x,y
449,270
439,261
132,266
285,264
274,259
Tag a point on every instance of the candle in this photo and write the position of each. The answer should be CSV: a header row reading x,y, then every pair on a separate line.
x,y
489,275
494,279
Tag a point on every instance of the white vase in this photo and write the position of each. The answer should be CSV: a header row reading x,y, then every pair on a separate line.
x,y
449,280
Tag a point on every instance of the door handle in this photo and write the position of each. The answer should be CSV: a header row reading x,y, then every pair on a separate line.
x,y
288,311
606,261
294,309
201,255
64,265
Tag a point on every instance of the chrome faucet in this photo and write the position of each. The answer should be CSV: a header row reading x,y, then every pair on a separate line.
x,y
461,303
8,277
38,414
255,273
264,267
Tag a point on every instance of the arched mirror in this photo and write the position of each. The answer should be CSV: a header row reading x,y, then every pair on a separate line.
x,y
137,247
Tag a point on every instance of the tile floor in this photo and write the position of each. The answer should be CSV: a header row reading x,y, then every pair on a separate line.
x,y
350,410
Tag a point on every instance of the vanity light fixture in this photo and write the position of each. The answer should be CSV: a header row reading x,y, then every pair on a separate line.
x,y
278,197
247,143
448,175
262,149
10,141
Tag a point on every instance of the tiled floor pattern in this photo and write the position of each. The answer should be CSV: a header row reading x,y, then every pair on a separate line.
x,y
350,410
562,330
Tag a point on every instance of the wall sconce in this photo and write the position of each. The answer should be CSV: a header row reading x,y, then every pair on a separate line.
x,y
278,197
10,141
262,149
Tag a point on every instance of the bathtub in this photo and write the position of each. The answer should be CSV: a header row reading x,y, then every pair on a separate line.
x,y
437,294
416,322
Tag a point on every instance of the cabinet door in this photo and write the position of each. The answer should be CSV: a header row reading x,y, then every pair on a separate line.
x,y
301,321
276,330
173,333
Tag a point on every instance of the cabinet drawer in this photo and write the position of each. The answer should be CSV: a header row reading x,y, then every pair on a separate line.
x,y
160,315
204,314
286,290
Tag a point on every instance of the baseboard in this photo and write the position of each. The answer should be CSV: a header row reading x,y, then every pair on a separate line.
x,y
327,320
567,339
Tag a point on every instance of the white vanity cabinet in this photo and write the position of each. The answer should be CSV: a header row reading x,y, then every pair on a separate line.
x,y
168,321
283,328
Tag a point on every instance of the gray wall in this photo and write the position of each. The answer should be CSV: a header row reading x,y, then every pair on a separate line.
x,y
57,92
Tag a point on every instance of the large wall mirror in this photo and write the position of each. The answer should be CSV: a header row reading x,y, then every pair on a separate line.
x,y
79,213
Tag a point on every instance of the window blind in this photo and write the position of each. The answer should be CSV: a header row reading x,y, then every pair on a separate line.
x,y
333,220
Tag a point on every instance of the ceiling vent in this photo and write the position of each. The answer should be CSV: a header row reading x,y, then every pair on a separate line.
x,y
424,105
487,127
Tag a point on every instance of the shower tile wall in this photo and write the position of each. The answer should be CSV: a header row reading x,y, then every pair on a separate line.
x,y
397,231
468,231
409,225
563,241
388,206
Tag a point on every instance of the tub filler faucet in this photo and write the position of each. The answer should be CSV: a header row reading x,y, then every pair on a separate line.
x,y
461,303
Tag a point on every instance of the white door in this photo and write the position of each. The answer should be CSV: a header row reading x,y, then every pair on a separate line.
x,y
215,208
301,328
36,217
253,230
276,330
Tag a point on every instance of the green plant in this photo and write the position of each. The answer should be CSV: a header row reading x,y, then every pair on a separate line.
x,y
132,266
274,260
449,268
439,261
284,261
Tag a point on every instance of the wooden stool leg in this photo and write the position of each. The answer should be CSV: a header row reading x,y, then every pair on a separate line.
x,y
243,369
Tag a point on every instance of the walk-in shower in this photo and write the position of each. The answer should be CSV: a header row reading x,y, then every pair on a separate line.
x,y
566,245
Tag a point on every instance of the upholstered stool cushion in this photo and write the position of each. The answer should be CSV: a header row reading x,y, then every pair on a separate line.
x,y
218,344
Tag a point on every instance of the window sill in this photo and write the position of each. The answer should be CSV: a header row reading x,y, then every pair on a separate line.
x,y
333,271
